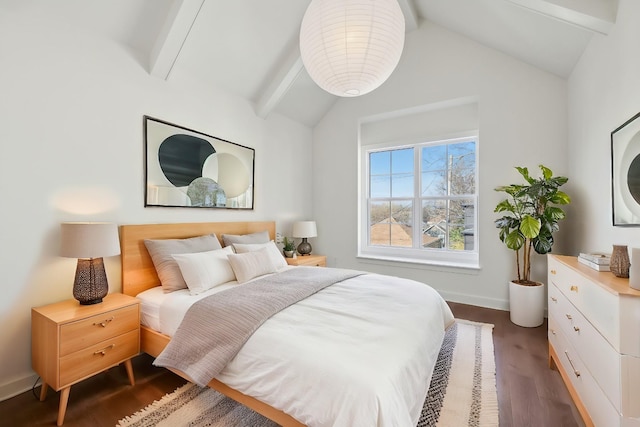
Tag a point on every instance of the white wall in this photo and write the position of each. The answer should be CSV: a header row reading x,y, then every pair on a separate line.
x,y
604,92
522,114
71,148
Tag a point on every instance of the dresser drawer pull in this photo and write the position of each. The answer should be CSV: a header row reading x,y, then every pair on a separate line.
x,y
105,322
569,316
573,288
575,328
553,272
104,350
553,331
577,373
554,299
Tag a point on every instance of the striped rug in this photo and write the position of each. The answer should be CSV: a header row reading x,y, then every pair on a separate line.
x,y
462,391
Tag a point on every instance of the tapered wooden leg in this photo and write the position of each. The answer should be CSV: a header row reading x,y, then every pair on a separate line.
x,y
129,368
62,410
43,392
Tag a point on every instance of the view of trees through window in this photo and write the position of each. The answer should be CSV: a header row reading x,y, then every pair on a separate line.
x,y
439,180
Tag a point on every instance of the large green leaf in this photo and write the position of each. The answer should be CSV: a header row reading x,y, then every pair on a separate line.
x,y
530,226
504,205
560,198
514,240
525,174
546,172
554,213
505,222
543,245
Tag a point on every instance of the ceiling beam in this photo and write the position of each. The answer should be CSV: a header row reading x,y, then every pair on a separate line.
x,y
174,33
411,20
593,15
284,77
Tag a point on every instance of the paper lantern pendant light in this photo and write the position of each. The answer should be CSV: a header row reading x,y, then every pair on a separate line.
x,y
350,47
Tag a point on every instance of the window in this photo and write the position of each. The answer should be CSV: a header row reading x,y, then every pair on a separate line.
x,y
419,202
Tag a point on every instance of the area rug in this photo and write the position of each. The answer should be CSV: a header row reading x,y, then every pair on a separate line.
x,y
462,391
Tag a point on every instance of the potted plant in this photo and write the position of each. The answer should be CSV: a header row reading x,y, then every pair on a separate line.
x,y
531,216
289,247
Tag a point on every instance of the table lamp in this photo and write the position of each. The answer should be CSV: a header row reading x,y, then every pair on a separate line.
x,y
89,242
304,230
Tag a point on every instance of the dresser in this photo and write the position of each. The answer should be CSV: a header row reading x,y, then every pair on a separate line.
x,y
71,342
594,341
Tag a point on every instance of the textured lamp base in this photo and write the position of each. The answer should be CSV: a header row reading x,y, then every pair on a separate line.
x,y
304,248
91,284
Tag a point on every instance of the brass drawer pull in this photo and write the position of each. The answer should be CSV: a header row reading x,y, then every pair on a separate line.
x,y
573,288
104,350
576,372
553,272
575,328
104,323
554,299
569,316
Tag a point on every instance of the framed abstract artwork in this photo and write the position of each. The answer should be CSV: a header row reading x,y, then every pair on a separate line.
x,y
625,173
187,168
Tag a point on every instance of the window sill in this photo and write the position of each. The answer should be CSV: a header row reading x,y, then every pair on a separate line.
x,y
416,261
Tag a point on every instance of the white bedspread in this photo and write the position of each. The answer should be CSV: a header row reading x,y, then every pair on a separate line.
x,y
354,354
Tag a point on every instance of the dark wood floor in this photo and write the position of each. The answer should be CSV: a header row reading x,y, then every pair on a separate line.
x,y
529,393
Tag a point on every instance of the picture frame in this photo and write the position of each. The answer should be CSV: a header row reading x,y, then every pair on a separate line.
x,y
187,168
625,173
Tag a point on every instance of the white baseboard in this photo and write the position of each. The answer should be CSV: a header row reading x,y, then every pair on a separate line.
x,y
14,388
494,303
479,301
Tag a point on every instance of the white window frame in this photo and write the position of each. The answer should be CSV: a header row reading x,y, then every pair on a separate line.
x,y
416,254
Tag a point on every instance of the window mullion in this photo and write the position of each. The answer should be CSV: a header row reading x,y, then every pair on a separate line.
x,y
417,204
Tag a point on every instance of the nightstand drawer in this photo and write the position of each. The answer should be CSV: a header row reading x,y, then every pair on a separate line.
x,y
98,357
92,330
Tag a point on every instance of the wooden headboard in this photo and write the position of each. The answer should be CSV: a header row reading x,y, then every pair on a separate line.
x,y
138,271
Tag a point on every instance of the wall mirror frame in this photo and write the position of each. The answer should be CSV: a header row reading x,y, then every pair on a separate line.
x,y
625,173
187,168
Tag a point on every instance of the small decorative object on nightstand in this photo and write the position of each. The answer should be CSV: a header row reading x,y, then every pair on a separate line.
x,y
71,342
89,242
304,230
289,248
309,260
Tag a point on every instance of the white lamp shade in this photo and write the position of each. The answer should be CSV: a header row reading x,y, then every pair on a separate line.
x,y
303,229
89,240
350,47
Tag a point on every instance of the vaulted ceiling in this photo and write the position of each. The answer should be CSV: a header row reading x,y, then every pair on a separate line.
x,y
250,47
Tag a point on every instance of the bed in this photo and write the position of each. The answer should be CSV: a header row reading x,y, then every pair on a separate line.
x,y
300,389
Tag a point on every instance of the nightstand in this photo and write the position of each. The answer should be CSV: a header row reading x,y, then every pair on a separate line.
x,y
310,260
71,342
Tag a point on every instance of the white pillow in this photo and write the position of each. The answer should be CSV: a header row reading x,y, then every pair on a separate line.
x,y
277,259
205,270
248,265
259,237
161,252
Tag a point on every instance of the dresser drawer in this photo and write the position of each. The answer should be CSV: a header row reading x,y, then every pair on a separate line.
x,y
78,335
98,357
601,307
597,355
601,411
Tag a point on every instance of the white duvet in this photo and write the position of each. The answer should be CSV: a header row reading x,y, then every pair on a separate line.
x,y
358,353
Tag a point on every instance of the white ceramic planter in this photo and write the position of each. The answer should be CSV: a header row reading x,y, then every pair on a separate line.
x,y
526,304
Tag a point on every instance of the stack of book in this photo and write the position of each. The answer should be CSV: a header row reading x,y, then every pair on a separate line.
x,y
599,262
